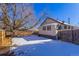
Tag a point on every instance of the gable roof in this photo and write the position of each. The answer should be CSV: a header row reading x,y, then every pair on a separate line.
x,y
51,19
60,22
54,20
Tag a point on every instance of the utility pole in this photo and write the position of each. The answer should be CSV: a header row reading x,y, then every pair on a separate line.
x,y
68,20
71,30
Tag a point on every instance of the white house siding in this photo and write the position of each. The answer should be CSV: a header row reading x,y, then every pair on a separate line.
x,y
51,32
54,30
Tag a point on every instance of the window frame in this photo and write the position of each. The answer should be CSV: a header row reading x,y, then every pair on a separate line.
x,y
44,28
49,28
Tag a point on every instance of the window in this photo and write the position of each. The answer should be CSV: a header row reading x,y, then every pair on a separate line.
x,y
44,27
58,27
68,27
48,28
65,27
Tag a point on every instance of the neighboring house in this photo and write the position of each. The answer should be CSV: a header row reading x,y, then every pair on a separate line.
x,y
51,26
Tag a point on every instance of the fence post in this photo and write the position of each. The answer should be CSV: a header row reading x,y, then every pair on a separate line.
x,y
72,35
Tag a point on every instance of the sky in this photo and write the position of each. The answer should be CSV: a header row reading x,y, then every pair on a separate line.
x,y
59,11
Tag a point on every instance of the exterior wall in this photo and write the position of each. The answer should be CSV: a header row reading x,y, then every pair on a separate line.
x,y
52,32
49,21
53,28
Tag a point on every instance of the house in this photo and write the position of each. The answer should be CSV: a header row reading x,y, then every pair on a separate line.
x,y
51,26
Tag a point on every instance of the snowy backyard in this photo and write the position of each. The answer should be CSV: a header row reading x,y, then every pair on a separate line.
x,y
34,45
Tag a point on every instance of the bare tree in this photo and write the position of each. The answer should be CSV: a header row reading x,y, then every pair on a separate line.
x,y
13,22
11,19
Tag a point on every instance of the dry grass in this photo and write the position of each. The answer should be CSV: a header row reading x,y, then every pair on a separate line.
x,y
23,33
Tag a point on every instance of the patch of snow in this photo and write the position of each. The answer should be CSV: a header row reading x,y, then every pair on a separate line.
x,y
22,41
33,37
33,47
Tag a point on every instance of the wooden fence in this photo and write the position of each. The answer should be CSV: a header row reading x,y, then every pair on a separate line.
x,y
22,33
5,43
69,35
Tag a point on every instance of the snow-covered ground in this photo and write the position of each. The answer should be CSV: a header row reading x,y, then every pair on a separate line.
x,y
21,41
33,37
40,46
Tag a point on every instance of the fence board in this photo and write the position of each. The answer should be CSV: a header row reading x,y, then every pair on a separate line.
x,y
69,35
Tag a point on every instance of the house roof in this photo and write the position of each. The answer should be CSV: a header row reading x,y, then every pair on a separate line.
x,y
55,21
51,19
